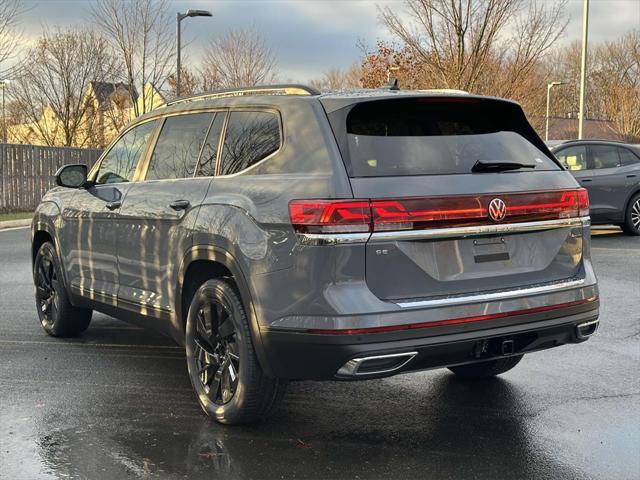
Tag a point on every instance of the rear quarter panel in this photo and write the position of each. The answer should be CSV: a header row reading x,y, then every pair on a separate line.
x,y
247,215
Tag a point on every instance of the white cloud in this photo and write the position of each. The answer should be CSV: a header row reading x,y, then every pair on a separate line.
x,y
311,36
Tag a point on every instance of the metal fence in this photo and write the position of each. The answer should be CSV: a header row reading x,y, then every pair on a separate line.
x,y
27,172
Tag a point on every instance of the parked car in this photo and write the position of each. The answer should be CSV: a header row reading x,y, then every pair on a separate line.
x,y
280,234
610,171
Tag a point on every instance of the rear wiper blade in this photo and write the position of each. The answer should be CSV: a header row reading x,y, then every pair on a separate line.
x,y
498,166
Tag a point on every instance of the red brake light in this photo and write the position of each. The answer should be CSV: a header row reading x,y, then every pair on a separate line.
x,y
330,216
414,213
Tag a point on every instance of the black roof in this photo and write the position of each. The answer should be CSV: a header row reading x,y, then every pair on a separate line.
x,y
592,140
634,147
103,90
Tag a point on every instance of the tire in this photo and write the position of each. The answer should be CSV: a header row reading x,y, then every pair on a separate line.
x,y
221,360
491,368
57,316
631,225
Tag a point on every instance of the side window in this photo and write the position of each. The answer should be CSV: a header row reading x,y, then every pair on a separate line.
x,y
627,157
120,163
209,155
250,137
574,158
604,156
178,147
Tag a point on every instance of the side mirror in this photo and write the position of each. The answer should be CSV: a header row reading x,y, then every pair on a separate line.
x,y
71,176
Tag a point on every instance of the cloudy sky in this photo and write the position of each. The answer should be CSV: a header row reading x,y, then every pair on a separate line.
x,y
310,36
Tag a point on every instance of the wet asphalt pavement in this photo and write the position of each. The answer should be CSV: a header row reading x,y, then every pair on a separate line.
x,y
117,403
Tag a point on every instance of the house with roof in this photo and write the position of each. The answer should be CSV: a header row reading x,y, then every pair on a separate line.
x,y
109,106
566,128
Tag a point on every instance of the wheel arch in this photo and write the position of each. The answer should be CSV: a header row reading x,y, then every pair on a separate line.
x,y
203,262
40,237
43,231
634,192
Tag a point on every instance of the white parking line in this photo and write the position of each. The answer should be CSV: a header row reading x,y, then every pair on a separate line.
x,y
14,228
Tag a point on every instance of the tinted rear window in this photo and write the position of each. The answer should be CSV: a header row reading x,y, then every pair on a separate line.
x,y
427,136
250,137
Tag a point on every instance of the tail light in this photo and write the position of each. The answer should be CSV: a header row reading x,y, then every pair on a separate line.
x,y
330,216
583,202
415,213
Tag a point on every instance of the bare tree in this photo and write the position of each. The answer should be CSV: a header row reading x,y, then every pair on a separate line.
x,y
390,60
616,81
238,58
613,83
140,32
189,83
51,93
463,44
10,37
338,79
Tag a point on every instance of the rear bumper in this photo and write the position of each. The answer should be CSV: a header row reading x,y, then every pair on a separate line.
x,y
300,355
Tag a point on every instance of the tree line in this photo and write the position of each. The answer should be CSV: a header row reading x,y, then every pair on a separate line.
x,y
504,48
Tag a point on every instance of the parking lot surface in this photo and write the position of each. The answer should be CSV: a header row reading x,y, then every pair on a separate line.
x,y
117,403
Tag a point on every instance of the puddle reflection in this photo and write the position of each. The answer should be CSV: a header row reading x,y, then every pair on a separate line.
x,y
451,429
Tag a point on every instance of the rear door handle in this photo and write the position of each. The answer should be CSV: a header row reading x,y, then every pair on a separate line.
x,y
586,180
180,205
114,205
631,175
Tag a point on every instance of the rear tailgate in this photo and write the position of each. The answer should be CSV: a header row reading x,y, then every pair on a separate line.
x,y
449,257
441,230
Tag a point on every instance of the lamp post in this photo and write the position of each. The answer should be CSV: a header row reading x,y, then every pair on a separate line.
x,y
3,84
583,66
179,18
549,87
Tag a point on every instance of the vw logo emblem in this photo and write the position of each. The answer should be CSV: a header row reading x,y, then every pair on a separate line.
x,y
497,210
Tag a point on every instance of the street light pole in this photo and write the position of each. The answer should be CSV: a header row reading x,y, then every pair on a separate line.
x,y
549,87
3,84
583,67
179,18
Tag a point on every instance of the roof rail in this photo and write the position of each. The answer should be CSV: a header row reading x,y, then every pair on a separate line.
x,y
283,89
604,140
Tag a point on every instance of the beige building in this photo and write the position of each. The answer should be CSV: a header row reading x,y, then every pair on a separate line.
x,y
109,107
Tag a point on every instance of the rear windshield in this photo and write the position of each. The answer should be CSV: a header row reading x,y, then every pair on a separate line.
x,y
436,136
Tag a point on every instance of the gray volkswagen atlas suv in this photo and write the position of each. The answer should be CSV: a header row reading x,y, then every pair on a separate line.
x,y
282,234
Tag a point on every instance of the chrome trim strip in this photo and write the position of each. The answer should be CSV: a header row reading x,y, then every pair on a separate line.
x,y
352,366
489,297
582,336
454,232
477,230
79,289
317,239
91,294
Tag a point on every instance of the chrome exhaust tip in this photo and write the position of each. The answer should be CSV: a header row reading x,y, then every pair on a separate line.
x,y
375,365
586,329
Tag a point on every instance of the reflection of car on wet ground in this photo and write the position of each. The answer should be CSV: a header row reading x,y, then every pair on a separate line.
x,y
282,234
610,171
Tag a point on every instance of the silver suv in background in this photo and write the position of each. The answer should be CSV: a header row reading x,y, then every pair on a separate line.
x,y
610,171
281,234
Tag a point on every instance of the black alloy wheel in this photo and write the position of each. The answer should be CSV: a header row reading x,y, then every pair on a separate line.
x,y
217,356
58,317
221,360
47,287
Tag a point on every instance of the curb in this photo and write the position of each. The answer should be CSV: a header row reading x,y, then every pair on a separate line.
x,y
15,223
